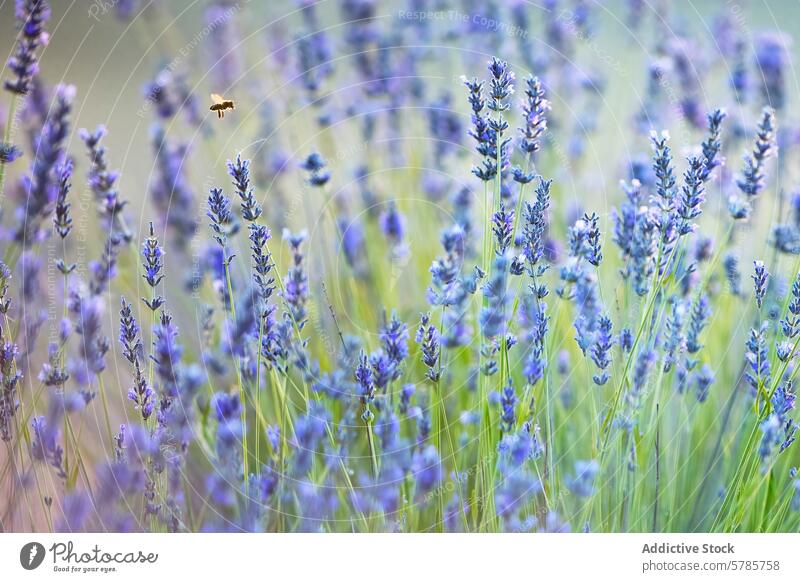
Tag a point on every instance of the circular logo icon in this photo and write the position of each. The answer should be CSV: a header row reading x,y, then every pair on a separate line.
x,y
31,555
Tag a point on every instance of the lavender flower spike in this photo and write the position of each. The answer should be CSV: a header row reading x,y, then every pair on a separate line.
x,y
508,401
601,350
31,15
760,277
10,376
428,336
62,220
315,165
153,263
39,190
712,146
692,195
219,211
751,181
240,172
534,108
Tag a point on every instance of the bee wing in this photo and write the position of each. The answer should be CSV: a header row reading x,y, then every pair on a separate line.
x,y
217,99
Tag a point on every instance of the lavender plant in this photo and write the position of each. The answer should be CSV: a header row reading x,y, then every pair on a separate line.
x,y
574,339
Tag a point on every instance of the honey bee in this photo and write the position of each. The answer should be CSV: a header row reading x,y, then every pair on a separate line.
x,y
220,105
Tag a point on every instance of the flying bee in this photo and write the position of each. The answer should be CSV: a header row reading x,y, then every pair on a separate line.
x,y
220,105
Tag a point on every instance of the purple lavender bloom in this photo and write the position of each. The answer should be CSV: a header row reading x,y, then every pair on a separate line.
x,y
503,227
276,340
685,68
446,286
382,369
636,233
653,104
240,172
783,400
760,277
508,402
518,483
692,196
87,312
77,507
353,245
674,341
534,229
31,16
316,54
662,167
394,336
740,77
153,263
593,252
105,269
160,93
757,358
633,399
772,60
665,192
406,394
751,181
704,378
167,352
315,165
601,349
102,183
296,282
366,384
698,318
262,262
62,220
224,54
626,339
141,394
494,317
45,446
733,273
222,220
535,364
170,191
393,224
712,146
39,188
10,377
790,325
427,470
9,152
428,337
626,216
227,409
786,238
776,437
53,373
445,126
534,109
481,132
501,88
132,348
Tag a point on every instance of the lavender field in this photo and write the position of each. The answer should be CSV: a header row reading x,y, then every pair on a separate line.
x,y
442,266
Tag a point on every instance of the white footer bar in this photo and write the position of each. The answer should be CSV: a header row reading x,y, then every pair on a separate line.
x,y
406,557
